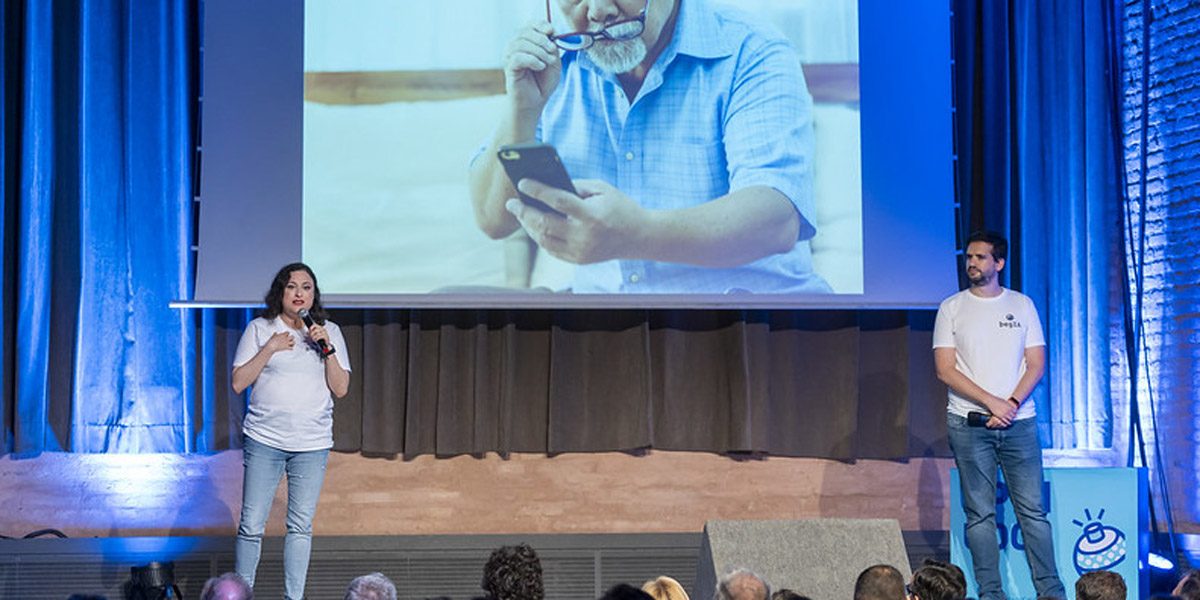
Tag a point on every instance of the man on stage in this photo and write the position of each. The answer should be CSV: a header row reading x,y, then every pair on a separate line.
x,y
989,350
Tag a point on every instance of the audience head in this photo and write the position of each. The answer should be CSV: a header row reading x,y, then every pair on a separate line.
x,y
786,594
742,584
1188,587
1100,585
937,580
86,597
374,586
879,582
227,586
513,573
664,588
624,591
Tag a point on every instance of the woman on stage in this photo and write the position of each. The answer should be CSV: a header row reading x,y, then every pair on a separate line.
x,y
296,360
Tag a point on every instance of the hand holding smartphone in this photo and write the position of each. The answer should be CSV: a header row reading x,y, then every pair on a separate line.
x,y
539,162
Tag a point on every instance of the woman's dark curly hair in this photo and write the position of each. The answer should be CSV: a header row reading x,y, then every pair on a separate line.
x,y
513,573
274,297
938,580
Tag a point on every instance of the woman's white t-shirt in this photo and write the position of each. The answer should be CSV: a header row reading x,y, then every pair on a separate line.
x,y
291,407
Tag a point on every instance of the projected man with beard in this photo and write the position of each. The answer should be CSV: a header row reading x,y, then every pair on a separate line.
x,y
687,127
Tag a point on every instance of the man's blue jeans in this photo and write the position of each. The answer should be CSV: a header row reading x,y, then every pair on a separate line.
x,y
264,466
978,451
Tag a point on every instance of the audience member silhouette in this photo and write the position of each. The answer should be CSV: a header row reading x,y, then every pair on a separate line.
x,y
513,573
786,594
1188,587
664,588
624,591
1100,585
373,586
742,584
226,586
937,580
879,582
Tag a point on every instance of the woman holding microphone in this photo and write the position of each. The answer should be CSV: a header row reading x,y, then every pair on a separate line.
x,y
296,360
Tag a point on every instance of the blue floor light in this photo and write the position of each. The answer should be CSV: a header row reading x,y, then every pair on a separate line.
x,y
1160,562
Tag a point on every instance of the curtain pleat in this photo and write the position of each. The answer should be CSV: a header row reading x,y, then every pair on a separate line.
x,y
98,107
32,430
835,384
1037,162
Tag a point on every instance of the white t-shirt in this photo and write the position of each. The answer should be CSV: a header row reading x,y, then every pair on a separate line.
x,y
291,407
990,336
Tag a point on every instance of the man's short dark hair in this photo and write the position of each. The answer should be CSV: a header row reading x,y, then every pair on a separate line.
x,y
624,591
513,573
999,244
786,594
937,580
1100,585
879,582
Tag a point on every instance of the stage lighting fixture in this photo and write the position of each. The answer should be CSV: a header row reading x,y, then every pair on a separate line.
x,y
155,581
1161,562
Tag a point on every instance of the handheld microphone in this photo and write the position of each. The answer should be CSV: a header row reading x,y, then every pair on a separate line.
x,y
326,349
978,419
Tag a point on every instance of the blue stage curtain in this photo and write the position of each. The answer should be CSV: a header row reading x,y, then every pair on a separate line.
x,y
1037,162
98,109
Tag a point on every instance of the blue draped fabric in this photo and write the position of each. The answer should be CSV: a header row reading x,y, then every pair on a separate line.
x,y
1037,162
97,206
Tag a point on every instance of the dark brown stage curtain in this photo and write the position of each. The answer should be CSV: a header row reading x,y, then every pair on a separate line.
x,y
833,384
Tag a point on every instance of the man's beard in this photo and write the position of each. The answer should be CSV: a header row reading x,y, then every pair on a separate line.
x,y
977,279
618,57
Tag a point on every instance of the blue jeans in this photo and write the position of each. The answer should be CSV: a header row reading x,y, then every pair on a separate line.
x,y
977,453
264,466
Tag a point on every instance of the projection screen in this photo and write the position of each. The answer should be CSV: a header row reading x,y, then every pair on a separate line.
x,y
341,134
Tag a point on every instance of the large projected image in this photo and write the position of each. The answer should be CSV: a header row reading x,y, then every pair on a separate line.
x,y
778,154
735,169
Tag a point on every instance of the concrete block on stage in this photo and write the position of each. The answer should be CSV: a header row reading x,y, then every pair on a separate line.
x,y
1099,518
819,558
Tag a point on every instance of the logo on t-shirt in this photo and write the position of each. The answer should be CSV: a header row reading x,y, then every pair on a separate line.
x,y
1010,322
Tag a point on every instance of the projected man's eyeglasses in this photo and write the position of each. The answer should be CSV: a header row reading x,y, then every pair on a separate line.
x,y
617,31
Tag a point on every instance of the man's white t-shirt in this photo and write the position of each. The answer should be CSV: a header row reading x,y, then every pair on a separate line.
x,y
291,407
989,336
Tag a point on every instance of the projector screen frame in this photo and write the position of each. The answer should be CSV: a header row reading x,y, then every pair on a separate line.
x,y
264,104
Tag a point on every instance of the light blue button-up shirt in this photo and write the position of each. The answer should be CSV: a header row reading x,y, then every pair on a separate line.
x,y
724,107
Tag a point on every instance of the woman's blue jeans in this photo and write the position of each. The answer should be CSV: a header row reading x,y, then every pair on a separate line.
x,y
978,451
264,466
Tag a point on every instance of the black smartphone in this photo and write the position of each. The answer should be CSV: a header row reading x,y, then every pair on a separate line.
x,y
539,162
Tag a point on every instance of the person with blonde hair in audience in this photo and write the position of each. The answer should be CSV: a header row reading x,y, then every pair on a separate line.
x,y
665,588
373,586
1100,585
